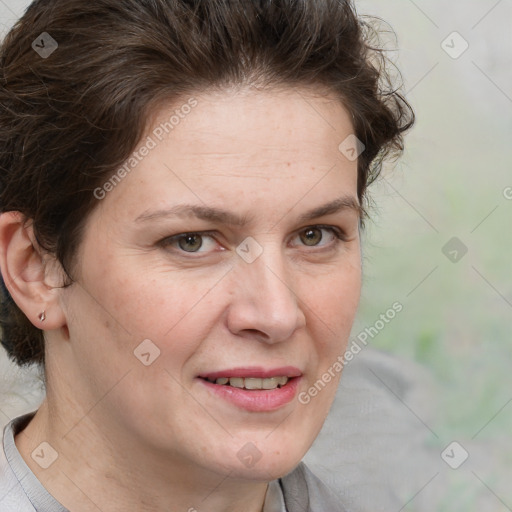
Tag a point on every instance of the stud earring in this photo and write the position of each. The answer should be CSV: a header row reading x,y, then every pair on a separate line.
x,y
42,316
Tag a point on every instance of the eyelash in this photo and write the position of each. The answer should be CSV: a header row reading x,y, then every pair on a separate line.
x,y
339,236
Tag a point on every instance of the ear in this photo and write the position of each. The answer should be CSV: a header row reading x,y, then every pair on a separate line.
x,y
23,270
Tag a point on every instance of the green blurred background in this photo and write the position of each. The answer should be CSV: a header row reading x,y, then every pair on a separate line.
x,y
450,183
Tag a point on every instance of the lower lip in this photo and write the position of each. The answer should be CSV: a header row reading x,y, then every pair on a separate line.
x,y
256,400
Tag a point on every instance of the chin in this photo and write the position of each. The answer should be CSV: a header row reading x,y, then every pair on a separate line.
x,y
265,471
269,461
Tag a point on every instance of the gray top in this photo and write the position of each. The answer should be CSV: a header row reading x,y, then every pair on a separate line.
x,y
21,491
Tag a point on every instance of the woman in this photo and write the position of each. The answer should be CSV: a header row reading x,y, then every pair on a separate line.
x,y
183,185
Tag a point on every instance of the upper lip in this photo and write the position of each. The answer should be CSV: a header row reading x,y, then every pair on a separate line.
x,y
254,372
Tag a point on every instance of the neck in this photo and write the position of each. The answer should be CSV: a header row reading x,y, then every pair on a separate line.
x,y
98,468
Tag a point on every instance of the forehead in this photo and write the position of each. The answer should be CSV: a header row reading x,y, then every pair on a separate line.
x,y
242,147
237,123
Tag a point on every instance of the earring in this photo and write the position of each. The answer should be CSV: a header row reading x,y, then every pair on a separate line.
x,y
42,316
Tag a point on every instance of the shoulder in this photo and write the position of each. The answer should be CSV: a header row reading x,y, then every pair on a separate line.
x,y
303,491
12,495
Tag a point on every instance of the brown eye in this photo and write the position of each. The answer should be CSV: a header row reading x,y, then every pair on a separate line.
x,y
314,236
311,236
190,242
202,243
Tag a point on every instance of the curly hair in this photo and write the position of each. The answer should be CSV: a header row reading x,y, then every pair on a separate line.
x,y
71,115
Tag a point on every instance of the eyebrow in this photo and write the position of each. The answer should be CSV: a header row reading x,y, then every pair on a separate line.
x,y
220,216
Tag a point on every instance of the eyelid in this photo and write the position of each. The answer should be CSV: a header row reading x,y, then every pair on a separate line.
x,y
339,232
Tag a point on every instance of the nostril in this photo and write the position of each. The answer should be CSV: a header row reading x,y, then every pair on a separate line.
x,y
255,333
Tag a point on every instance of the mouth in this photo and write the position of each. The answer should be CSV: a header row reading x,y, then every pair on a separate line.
x,y
251,383
254,389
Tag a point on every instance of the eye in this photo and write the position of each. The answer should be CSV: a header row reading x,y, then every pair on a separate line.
x,y
205,242
190,242
313,235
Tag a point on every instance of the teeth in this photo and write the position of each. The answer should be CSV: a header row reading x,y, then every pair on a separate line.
x,y
236,382
274,382
282,380
253,383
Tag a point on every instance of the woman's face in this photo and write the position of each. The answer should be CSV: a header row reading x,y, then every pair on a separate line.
x,y
262,287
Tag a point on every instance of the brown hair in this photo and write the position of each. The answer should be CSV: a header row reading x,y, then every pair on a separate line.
x,y
70,118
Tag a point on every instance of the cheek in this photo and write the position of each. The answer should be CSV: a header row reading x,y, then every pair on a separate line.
x,y
174,311
331,305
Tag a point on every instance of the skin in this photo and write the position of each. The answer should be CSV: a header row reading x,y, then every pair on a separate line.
x,y
134,437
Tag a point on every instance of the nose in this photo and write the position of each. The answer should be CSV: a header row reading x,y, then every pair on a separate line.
x,y
264,305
